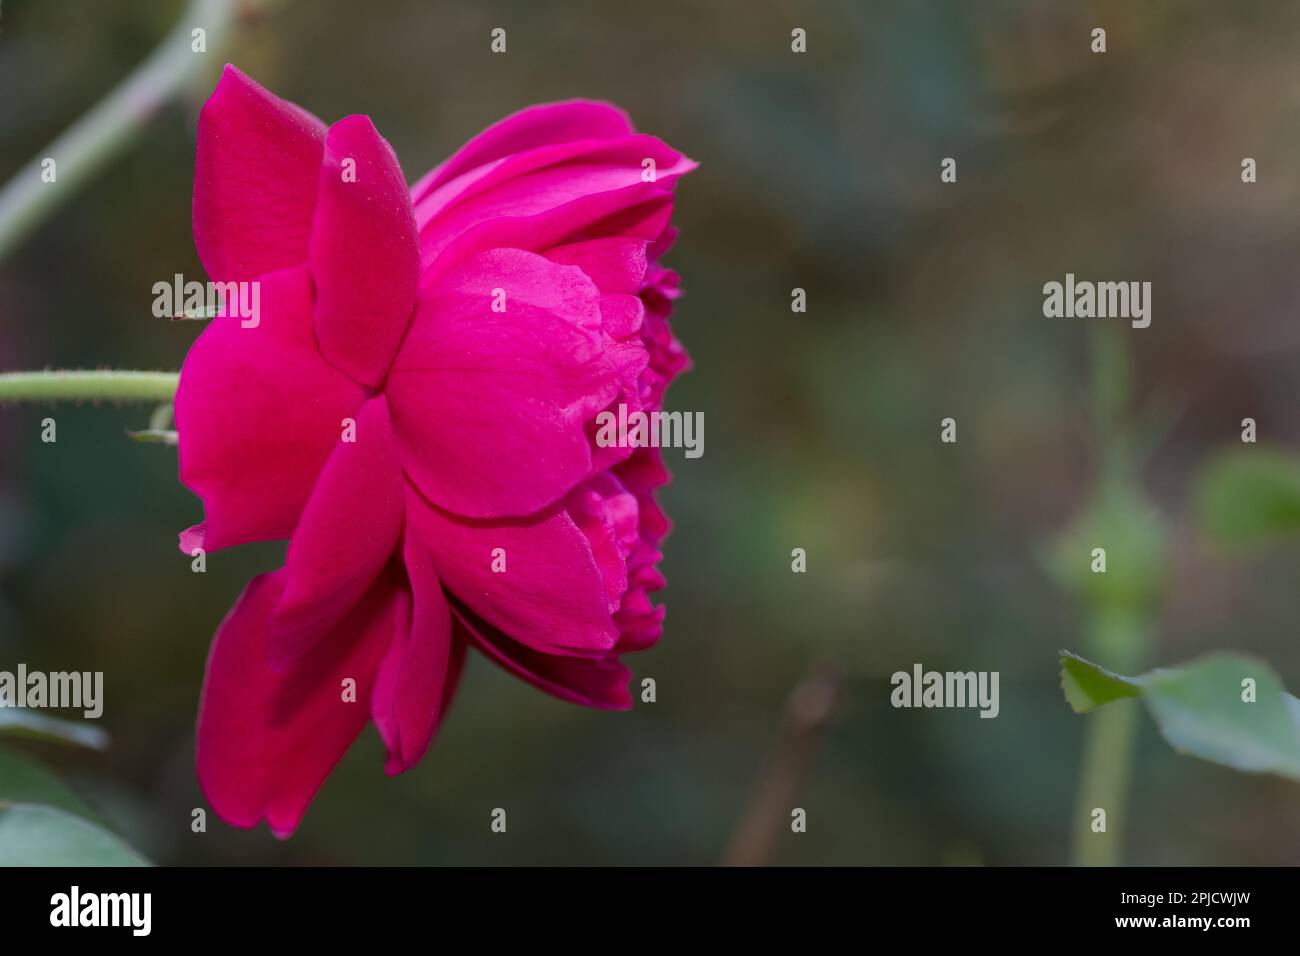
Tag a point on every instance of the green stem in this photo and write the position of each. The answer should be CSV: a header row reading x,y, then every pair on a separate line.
x,y
80,385
99,135
1119,638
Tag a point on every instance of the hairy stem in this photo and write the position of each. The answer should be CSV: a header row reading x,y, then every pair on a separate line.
x,y
85,385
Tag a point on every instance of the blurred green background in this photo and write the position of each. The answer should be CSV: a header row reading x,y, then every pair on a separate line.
x,y
819,171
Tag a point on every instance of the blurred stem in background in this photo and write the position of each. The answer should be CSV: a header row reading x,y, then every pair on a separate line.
x,y
1121,531
810,709
101,134
1106,775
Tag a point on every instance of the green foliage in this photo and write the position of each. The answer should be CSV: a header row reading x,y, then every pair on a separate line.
x,y
34,835
42,822
1207,708
23,780
154,436
1088,686
1250,493
20,722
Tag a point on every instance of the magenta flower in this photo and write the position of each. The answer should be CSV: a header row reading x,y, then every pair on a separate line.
x,y
413,409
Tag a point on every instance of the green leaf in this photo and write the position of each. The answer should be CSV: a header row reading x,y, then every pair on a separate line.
x,y
1248,494
163,417
1200,710
23,780
1088,686
21,722
32,835
155,436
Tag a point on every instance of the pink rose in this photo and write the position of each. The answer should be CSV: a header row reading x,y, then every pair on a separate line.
x,y
413,409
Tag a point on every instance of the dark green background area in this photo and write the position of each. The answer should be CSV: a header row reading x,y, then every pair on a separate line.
x,y
822,429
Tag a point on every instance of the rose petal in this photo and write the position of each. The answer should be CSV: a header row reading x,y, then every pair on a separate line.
x,y
347,534
607,514
255,172
542,125
551,595
365,255
554,174
258,412
513,191
591,682
617,265
419,676
268,740
639,211
490,407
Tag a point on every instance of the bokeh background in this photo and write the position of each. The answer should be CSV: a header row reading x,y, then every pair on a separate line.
x,y
819,171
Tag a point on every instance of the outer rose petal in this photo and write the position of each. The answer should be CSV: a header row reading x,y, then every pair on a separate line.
x,y
667,356
550,175
490,408
419,676
640,211
267,741
554,174
662,243
258,412
542,125
551,596
255,174
639,622
591,682
613,171
365,256
346,536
